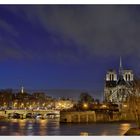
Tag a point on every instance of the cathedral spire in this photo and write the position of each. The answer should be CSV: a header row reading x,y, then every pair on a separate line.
x,y
120,68
120,62
22,89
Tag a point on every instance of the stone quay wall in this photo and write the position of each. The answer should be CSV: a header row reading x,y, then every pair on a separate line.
x,y
92,116
68,117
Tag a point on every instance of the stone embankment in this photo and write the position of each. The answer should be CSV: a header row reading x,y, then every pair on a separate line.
x,y
133,132
88,116
96,116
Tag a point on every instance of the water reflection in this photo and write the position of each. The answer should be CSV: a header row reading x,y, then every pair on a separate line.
x,y
30,126
30,129
84,134
43,126
43,123
104,133
3,127
13,121
22,124
124,127
53,127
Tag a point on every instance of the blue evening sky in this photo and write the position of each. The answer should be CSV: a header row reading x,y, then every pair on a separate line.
x,y
66,47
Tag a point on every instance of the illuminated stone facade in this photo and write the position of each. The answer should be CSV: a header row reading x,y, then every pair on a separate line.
x,y
119,86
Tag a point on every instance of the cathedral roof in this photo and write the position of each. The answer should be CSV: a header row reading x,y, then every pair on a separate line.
x,y
121,81
111,83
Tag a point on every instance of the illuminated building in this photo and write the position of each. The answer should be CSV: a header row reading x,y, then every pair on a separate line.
x,y
119,86
64,104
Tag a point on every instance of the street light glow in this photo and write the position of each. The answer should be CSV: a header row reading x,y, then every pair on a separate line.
x,y
85,105
125,105
104,106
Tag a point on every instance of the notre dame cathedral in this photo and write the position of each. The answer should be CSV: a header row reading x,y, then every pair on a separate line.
x,y
118,86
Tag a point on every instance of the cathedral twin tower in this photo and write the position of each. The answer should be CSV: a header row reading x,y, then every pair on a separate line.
x,y
118,86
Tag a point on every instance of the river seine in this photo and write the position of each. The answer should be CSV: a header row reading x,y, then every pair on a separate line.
x,y
19,127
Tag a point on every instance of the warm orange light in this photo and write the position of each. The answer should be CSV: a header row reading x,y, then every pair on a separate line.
x,y
15,104
22,105
85,105
124,105
84,134
104,106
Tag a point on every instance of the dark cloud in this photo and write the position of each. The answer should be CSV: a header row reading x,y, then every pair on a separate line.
x,y
7,27
101,30
95,29
11,50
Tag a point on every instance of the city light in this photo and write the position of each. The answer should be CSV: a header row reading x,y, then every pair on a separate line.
x,y
85,105
125,105
70,60
63,104
22,105
30,107
15,104
104,106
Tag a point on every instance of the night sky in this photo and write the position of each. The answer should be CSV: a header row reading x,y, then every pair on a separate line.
x,y
66,48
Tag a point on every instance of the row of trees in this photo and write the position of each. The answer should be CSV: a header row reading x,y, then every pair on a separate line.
x,y
134,101
85,102
10,99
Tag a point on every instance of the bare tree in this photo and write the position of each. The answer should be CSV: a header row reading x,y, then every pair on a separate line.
x,y
134,101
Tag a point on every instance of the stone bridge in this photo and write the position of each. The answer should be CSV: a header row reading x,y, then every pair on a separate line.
x,y
24,112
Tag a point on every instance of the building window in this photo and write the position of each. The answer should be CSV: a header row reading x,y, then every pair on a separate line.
x,y
129,77
112,77
126,77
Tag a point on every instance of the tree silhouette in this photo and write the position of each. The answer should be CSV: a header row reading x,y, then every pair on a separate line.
x,y
85,97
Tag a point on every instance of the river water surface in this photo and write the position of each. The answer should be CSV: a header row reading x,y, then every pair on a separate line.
x,y
26,127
